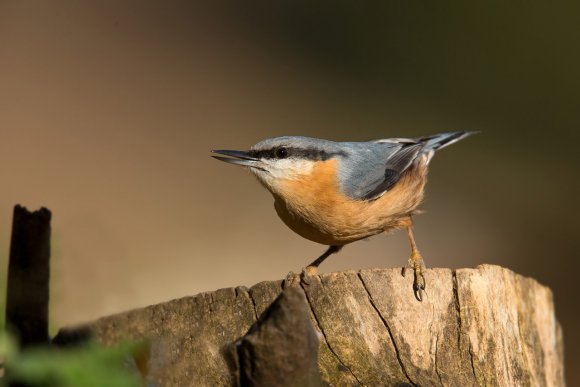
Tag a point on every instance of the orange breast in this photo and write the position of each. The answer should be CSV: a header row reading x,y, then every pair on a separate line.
x,y
314,207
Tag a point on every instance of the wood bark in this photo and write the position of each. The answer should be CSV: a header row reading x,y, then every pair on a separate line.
x,y
475,327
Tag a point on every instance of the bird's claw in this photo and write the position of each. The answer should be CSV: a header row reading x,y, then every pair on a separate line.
x,y
307,273
304,277
291,279
419,283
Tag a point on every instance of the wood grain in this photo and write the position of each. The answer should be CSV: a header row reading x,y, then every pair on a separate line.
x,y
485,326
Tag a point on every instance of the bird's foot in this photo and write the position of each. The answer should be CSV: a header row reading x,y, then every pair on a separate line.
x,y
416,263
291,280
304,277
307,273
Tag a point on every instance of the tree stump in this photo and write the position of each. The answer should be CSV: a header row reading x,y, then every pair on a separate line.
x,y
486,326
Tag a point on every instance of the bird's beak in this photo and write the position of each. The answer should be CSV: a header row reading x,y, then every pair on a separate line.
x,y
239,158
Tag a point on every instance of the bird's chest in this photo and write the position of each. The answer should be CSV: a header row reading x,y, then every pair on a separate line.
x,y
315,208
317,211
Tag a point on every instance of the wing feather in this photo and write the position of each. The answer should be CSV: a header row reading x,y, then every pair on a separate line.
x,y
395,166
375,167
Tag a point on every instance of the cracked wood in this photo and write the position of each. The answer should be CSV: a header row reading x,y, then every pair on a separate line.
x,y
483,326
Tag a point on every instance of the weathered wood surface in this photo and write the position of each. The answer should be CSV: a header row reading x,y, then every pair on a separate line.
x,y
485,326
281,348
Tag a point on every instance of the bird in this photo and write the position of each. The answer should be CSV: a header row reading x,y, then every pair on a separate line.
x,y
336,193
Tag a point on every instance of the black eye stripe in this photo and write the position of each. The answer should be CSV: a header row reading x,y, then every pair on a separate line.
x,y
292,152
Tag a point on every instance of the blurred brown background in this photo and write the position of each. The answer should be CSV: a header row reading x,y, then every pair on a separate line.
x,y
108,110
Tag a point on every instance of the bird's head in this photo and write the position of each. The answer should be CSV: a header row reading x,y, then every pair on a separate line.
x,y
276,160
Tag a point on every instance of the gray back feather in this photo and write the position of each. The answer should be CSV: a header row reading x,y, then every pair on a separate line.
x,y
373,168
366,170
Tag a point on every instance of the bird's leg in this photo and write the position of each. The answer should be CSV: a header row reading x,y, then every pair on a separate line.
x,y
416,263
312,269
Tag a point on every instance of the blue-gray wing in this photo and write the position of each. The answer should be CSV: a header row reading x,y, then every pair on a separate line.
x,y
368,172
396,165
373,168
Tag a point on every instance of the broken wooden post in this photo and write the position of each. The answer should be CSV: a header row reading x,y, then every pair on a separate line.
x,y
483,326
281,348
27,293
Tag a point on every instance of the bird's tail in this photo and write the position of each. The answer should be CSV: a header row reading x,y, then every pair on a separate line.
x,y
441,140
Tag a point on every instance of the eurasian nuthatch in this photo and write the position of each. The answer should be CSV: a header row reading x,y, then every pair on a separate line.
x,y
336,193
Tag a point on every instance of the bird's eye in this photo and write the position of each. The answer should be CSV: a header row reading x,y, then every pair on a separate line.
x,y
281,153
